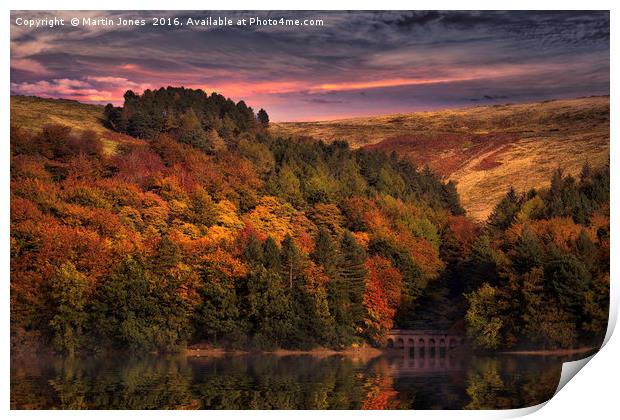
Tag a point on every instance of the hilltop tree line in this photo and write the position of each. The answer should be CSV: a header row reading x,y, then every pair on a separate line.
x,y
209,123
265,242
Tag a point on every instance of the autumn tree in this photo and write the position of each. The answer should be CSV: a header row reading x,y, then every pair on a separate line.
x,y
381,298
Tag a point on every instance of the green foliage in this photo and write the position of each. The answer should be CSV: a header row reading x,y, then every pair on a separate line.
x,y
325,251
263,118
347,288
528,252
482,265
290,258
68,297
157,111
551,276
259,154
569,198
191,132
202,208
569,279
135,310
484,317
505,212
269,309
218,315
271,255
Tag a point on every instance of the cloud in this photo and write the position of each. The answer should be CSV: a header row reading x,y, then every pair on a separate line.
x,y
66,88
535,53
29,65
90,89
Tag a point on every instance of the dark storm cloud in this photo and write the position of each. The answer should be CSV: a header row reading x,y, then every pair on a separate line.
x,y
401,60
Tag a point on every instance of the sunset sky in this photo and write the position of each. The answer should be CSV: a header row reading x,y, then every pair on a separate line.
x,y
358,63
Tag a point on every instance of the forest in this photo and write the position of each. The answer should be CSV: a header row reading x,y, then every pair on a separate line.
x,y
210,229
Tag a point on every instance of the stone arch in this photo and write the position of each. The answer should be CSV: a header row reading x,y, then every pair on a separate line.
x,y
411,346
390,343
421,349
431,347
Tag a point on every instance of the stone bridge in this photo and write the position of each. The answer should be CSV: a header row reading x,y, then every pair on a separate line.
x,y
424,340
421,352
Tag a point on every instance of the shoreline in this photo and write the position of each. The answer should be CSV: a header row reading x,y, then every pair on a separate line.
x,y
366,352
558,352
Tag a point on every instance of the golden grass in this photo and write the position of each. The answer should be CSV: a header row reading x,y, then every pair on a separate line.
x,y
33,113
484,149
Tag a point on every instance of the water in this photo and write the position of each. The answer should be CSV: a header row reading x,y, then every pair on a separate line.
x,y
266,381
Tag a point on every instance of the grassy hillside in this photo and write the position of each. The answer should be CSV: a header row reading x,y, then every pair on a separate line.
x,y
33,113
485,149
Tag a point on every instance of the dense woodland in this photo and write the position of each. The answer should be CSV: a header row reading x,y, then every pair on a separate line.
x,y
209,229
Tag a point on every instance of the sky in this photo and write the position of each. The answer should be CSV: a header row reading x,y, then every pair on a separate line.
x,y
355,64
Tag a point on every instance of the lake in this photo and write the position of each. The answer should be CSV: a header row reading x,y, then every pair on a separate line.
x,y
266,381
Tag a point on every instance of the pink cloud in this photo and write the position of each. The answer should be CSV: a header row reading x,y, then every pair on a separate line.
x,y
63,88
29,65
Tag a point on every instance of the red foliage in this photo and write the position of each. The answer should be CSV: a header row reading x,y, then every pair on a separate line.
x,y
464,230
381,297
139,166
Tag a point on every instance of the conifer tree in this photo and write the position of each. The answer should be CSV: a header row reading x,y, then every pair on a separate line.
x,y
352,273
291,260
263,118
271,255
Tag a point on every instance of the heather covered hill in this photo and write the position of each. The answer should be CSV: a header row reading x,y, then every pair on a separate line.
x,y
484,149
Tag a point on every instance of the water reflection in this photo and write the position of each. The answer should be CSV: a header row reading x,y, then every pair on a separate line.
x,y
416,380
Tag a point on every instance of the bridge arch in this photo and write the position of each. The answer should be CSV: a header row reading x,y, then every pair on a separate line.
x,y
424,339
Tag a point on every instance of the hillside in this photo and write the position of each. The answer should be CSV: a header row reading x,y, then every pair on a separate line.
x,y
32,113
484,149
214,231
158,233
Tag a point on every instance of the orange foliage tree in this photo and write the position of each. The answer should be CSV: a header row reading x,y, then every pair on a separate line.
x,y
381,297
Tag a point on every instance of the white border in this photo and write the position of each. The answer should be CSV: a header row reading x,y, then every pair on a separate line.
x,y
592,394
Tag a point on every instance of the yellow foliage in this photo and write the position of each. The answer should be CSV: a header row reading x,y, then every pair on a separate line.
x,y
362,238
186,230
274,218
227,215
217,234
177,208
529,207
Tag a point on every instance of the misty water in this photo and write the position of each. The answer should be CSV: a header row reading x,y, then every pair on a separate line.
x,y
264,381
